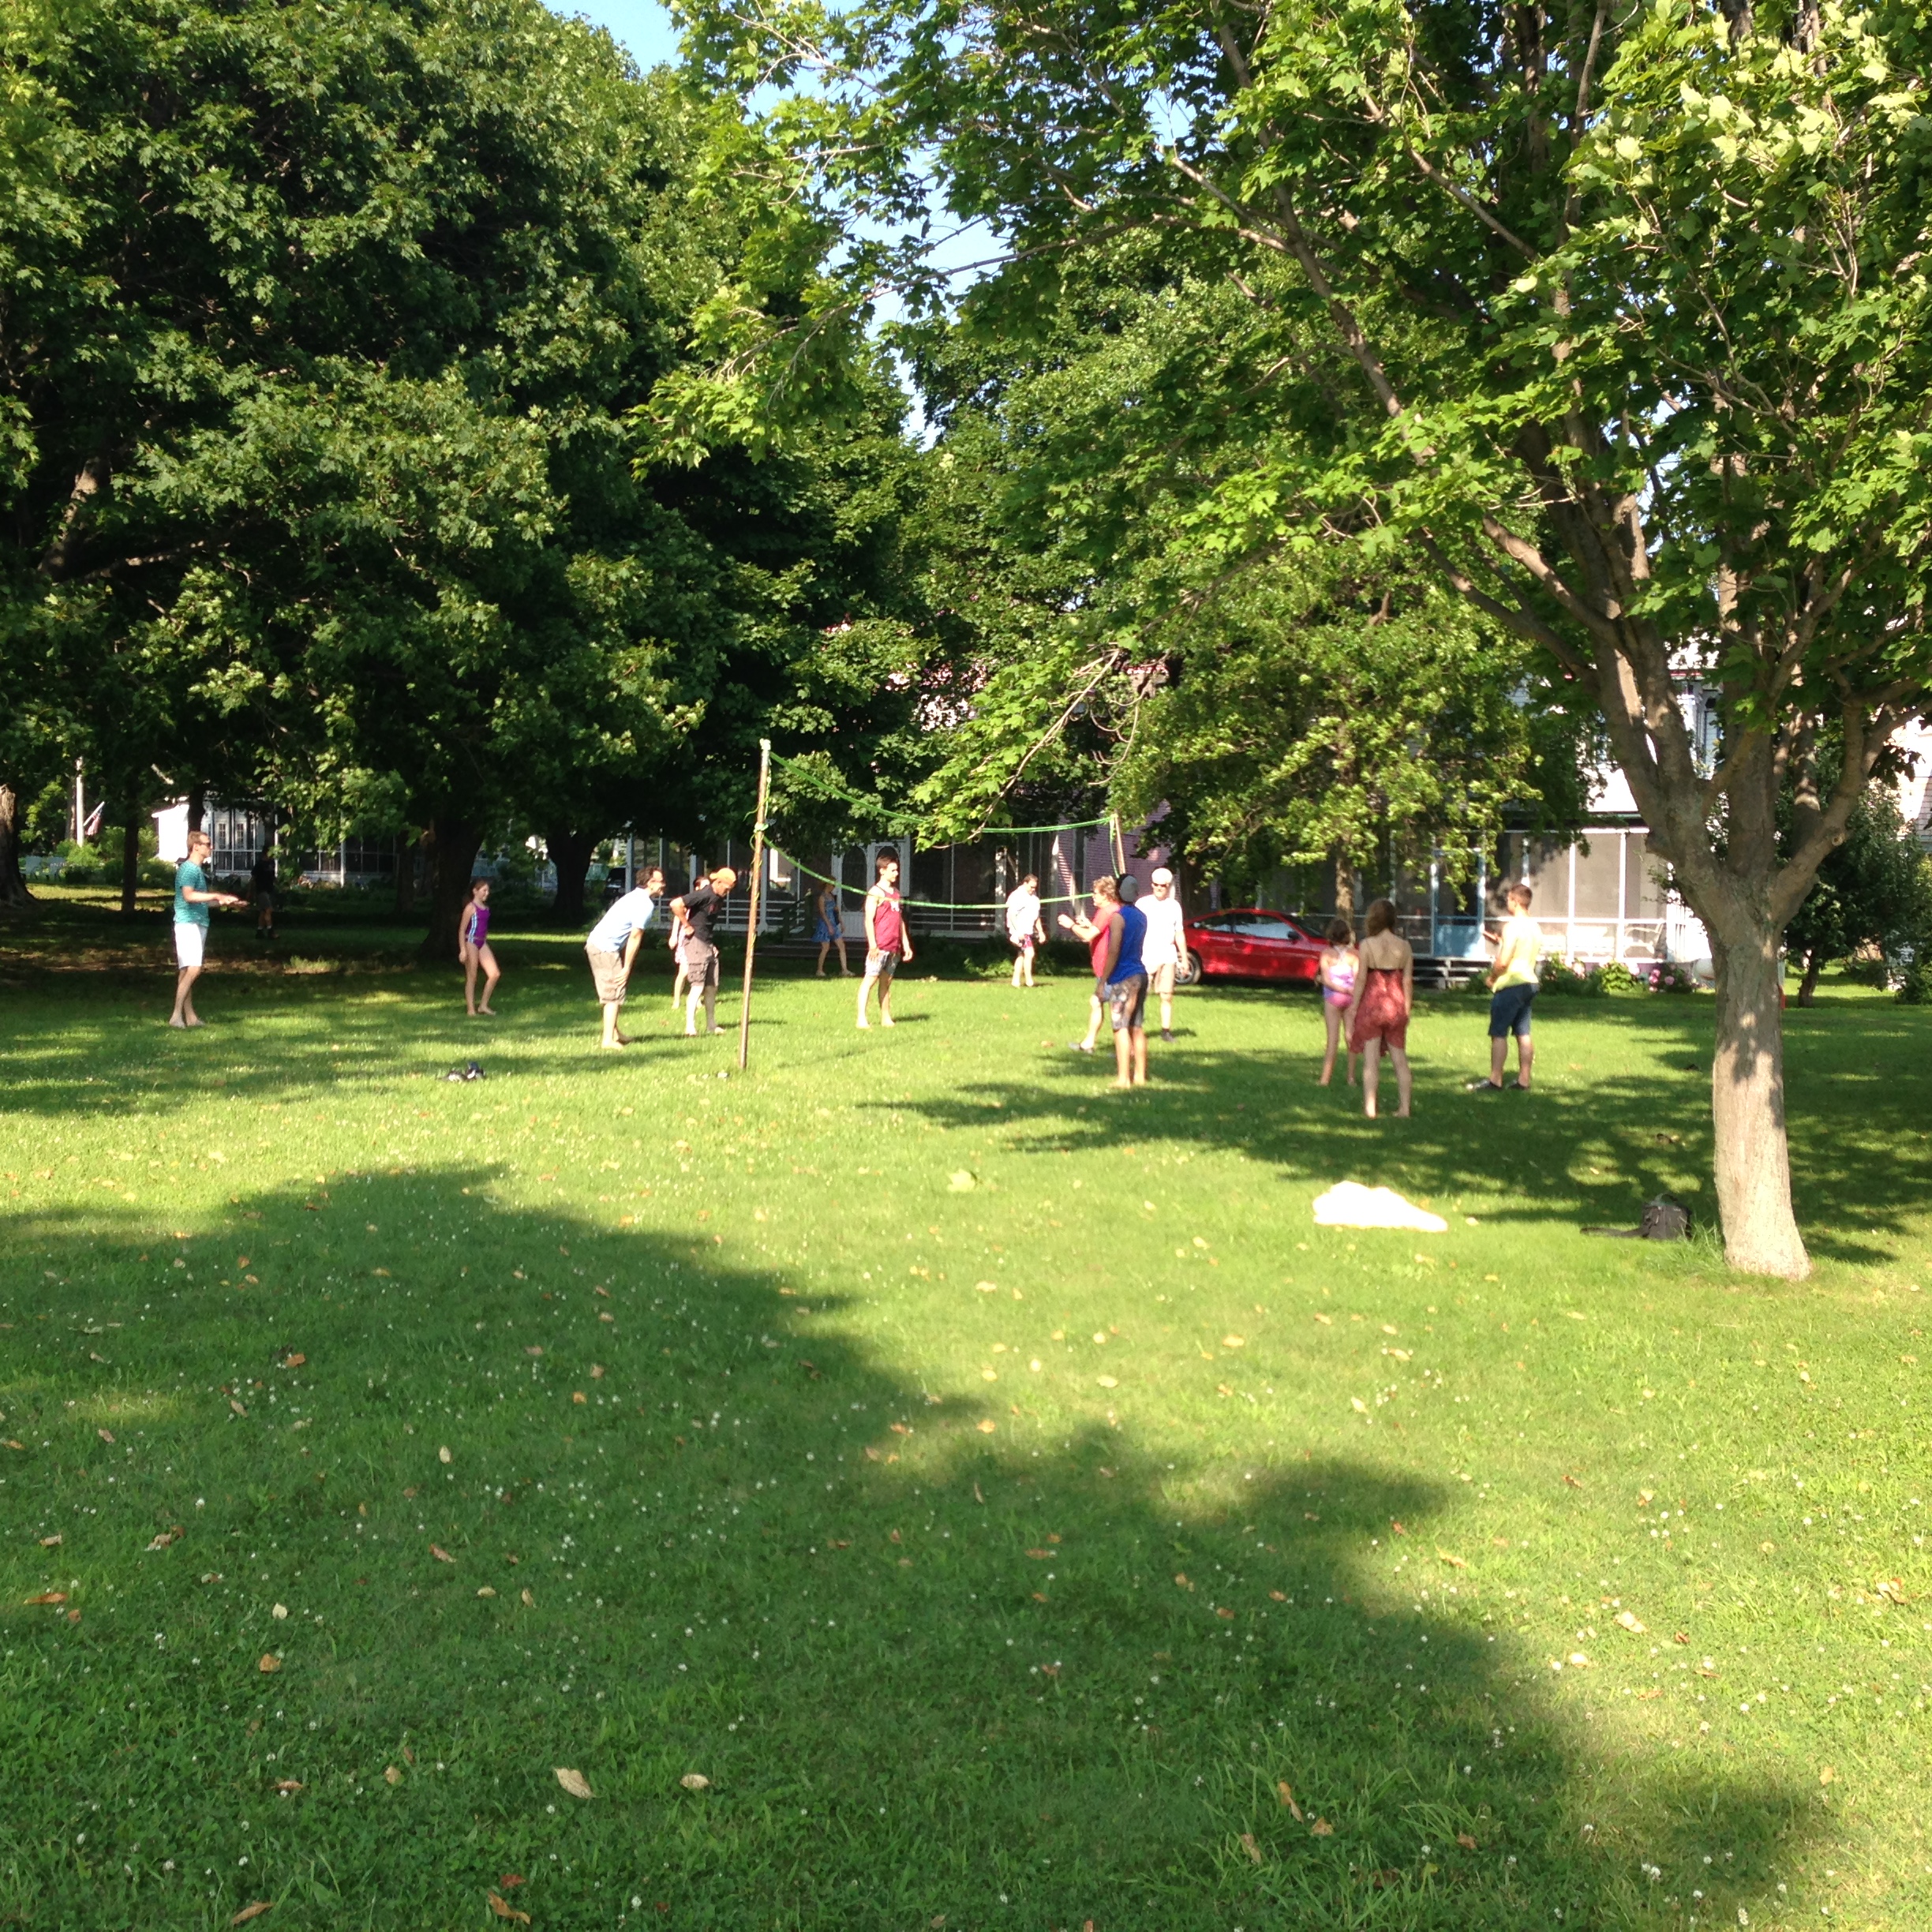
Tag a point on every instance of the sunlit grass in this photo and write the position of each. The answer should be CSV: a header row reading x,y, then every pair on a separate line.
x,y
737,1380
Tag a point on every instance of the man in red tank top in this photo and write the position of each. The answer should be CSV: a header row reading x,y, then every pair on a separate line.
x,y
887,941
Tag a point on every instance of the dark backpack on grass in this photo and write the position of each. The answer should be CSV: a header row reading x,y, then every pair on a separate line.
x,y
1663,1220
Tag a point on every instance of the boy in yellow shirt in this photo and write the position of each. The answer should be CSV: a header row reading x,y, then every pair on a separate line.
x,y
1513,984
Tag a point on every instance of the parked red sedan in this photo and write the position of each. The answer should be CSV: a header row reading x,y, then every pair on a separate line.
x,y
1248,943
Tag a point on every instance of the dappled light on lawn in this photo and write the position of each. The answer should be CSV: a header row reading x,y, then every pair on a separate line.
x,y
589,1489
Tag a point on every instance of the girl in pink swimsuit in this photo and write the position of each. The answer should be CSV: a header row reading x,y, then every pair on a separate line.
x,y
1337,970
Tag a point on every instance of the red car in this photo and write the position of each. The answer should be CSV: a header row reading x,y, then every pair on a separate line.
x,y
1248,943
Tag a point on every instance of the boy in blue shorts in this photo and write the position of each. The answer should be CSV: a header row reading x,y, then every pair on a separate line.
x,y
1513,984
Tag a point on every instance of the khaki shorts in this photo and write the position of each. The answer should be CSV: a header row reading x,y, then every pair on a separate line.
x,y
607,970
1164,978
700,962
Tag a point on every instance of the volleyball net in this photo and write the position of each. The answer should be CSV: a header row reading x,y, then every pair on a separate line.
x,y
963,884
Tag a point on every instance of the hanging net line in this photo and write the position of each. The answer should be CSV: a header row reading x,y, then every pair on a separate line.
x,y
830,789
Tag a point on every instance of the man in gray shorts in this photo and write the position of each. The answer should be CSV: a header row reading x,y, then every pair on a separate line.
x,y
698,954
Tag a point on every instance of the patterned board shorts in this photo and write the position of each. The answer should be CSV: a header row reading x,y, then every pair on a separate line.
x,y
881,965
1127,1003
607,969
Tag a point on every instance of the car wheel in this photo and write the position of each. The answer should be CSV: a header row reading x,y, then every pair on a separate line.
x,y
1188,975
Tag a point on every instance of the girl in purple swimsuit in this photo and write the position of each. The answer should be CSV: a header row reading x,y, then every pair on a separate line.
x,y
473,948
1339,965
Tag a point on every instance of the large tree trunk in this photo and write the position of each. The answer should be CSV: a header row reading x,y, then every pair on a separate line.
x,y
456,843
130,857
14,896
1344,885
1747,1109
198,807
570,852
406,860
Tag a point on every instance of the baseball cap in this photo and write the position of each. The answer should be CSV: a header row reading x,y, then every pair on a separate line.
x,y
1161,876
1129,889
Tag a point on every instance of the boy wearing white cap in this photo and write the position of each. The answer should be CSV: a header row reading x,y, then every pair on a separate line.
x,y
1165,947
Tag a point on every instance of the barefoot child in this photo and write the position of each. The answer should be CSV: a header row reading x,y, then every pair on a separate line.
x,y
472,948
830,930
1337,968
1379,1009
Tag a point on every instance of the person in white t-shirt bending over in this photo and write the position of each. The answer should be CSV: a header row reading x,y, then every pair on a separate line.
x,y
612,950
1164,949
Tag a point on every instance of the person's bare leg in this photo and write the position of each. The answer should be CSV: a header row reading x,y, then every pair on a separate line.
x,y
1499,1052
1331,1019
1094,1011
865,987
611,1008
1526,1058
1123,1058
844,969
691,1006
678,983
1139,1038
886,987
1166,1001
184,1013
1400,1056
825,946
1019,967
469,974
492,973
1354,1067
710,1002
1372,1074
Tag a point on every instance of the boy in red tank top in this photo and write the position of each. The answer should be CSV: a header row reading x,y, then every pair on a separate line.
x,y
887,941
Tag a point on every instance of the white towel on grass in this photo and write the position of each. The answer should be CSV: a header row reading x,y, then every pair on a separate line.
x,y
1348,1204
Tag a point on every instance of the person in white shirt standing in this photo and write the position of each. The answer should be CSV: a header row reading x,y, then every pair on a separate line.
x,y
1164,949
1024,930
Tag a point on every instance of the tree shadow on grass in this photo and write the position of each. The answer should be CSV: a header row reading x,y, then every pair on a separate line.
x,y
934,1659
96,1039
1583,1154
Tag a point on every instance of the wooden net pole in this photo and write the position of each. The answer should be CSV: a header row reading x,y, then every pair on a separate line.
x,y
757,900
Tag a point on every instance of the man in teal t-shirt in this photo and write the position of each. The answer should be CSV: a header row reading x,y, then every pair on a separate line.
x,y
191,900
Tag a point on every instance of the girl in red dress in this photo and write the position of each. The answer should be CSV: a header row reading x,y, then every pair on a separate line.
x,y
1378,1013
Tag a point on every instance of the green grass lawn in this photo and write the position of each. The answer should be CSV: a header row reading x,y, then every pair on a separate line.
x,y
998,1489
